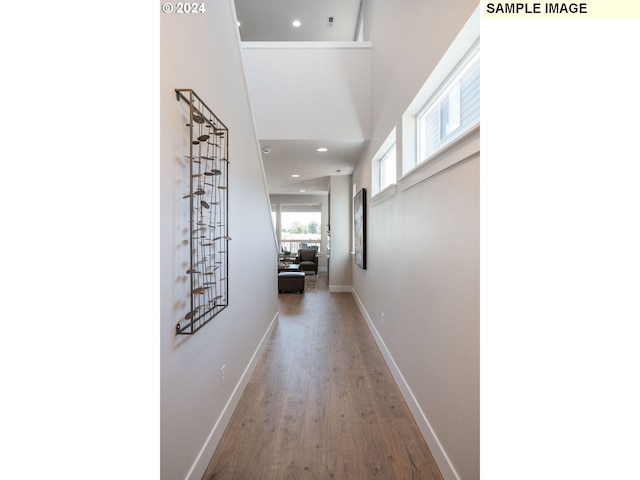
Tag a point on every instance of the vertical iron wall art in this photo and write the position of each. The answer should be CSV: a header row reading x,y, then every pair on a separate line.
x,y
208,219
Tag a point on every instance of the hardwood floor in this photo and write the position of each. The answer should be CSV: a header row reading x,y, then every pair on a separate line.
x,y
321,403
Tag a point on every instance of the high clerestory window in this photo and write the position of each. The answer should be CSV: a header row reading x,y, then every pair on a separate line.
x,y
453,110
388,168
383,165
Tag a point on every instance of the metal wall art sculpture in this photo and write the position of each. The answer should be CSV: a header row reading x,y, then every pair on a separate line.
x,y
208,270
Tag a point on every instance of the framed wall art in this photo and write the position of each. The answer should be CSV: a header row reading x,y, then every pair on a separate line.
x,y
360,228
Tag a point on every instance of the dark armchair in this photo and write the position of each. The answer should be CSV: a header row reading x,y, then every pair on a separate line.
x,y
307,258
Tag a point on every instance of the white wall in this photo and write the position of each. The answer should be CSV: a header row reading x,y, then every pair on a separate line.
x,y
307,90
202,52
340,216
423,241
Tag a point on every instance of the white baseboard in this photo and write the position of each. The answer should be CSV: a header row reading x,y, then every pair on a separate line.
x,y
439,455
340,288
206,452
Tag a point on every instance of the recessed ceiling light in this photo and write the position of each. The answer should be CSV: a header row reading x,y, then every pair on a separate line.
x,y
303,191
239,24
296,23
295,175
322,149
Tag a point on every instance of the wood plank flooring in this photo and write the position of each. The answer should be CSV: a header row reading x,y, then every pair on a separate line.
x,y
321,404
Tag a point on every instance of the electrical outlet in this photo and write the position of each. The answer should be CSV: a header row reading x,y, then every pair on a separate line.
x,y
382,322
222,375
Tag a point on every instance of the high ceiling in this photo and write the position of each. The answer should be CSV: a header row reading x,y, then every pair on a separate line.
x,y
285,158
320,20
290,152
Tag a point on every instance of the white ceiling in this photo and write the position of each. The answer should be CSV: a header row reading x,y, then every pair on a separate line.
x,y
271,20
299,157
289,103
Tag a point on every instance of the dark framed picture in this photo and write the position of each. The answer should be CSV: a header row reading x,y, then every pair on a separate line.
x,y
360,228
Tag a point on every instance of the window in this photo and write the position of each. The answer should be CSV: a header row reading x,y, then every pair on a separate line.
x,y
383,165
300,227
445,109
388,168
452,111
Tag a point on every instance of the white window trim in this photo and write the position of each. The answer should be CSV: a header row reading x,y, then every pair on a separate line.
x,y
387,145
465,44
386,194
386,157
465,147
465,63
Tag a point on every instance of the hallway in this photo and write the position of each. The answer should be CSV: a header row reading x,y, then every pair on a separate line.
x,y
321,403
